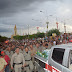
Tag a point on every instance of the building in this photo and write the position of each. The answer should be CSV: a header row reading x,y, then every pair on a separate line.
x,y
15,32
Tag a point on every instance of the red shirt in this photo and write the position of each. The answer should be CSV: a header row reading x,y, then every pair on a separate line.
x,y
7,59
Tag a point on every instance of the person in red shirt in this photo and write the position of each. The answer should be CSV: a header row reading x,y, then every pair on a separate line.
x,y
7,59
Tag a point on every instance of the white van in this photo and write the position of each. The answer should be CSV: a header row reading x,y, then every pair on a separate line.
x,y
60,58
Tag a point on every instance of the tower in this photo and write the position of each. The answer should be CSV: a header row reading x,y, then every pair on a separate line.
x,y
15,31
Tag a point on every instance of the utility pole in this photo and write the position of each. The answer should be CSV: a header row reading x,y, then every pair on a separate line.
x,y
37,29
47,25
28,31
57,22
64,27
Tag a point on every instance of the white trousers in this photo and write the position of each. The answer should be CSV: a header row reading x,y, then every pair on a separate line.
x,y
17,68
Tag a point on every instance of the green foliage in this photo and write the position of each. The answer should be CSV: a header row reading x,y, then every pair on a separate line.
x,y
2,39
41,35
30,36
53,31
19,37
37,35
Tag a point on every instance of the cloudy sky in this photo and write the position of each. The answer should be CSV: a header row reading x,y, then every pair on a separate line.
x,y
34,13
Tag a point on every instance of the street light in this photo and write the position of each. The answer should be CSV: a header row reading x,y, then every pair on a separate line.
x,y
37,29
47,19
36,20
28,31
47,25
64,27
57,24
37,26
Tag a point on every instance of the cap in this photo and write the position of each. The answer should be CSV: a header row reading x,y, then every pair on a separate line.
x,y
2,52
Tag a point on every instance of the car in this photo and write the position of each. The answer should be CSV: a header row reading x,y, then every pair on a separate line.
x,y
59,60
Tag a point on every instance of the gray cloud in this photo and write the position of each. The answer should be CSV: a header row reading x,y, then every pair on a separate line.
x,y
19,12
9,7
4,30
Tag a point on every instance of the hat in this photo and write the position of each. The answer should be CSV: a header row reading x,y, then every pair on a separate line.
x,y
2,52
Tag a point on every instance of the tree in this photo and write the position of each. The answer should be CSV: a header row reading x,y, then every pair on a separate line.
x,y
41,35
37,35
53,31
3,38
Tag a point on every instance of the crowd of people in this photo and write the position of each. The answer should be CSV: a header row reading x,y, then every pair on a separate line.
x,y
18,55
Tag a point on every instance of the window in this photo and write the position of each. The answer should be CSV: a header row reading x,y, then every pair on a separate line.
x,y
58,55
42,64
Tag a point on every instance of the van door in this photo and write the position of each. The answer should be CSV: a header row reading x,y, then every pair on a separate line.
x,y
56,58
40,65
65,64
65,69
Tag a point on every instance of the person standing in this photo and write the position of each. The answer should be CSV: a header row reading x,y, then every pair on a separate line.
x,y
9,52
42,48
49,45
17,60
22,49
29,64
7,59
46,46
37,47
33,52
3,63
